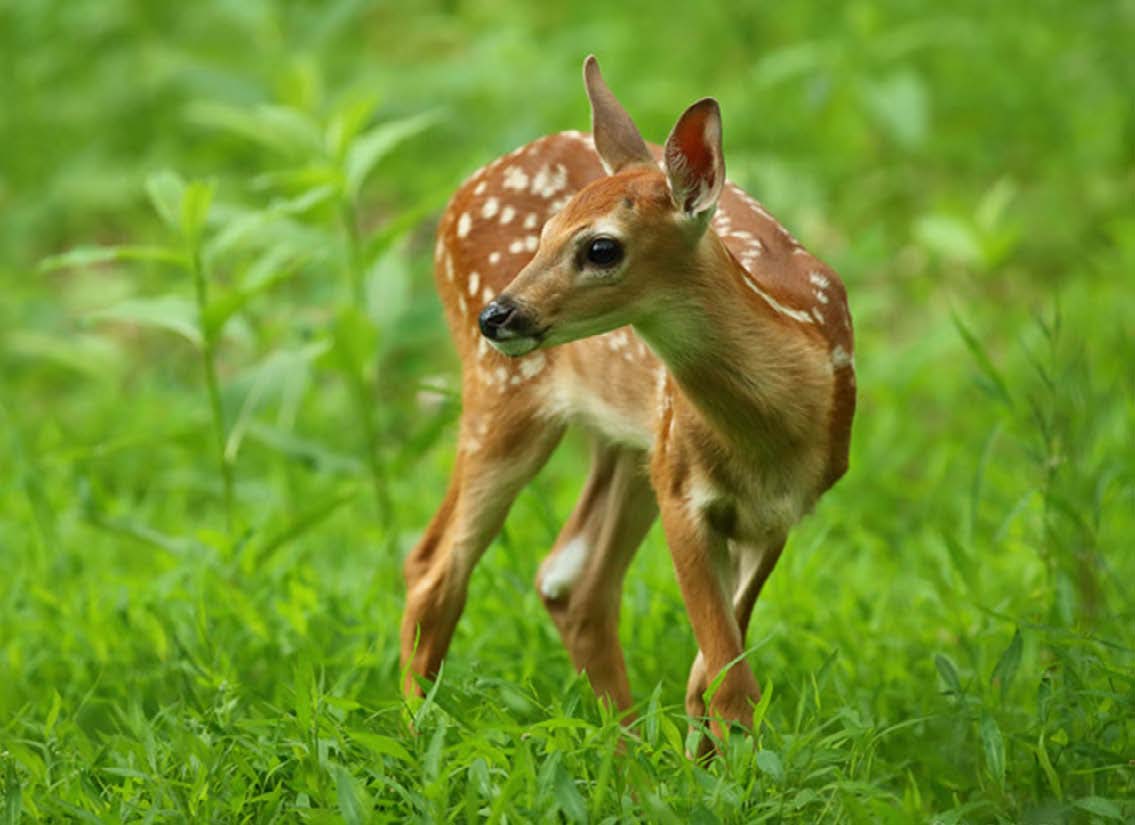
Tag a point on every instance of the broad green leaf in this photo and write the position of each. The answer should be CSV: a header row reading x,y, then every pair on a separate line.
x,y
280,371
168,312
349,119
376,144
349,805
1006,668
166,190
900,104
568,796
382,745
948,672
994,746
769,763
280,129
949,237
387,288
1101,807
92,355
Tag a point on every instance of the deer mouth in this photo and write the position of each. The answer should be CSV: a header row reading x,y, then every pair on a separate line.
x,y
515,347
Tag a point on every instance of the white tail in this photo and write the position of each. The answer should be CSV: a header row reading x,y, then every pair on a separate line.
x,y
632,290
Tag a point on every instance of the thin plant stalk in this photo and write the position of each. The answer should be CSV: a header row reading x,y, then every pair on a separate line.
x,y
208,362
362,393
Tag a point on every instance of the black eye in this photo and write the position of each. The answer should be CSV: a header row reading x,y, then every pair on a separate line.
x,y
604,252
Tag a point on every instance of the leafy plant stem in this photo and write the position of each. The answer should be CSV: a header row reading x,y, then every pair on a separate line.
x,y
208,363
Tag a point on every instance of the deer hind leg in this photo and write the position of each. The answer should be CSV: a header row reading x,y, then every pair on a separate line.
x,y
581,580
502,449
754,566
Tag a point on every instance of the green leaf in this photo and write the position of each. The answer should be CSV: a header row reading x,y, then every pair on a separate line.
x,y
281,129
93,356
568,796
12,793
195,201
994,746
1100,807
770,764
168,312
85,256
166,190
949,237
948,672
53,713
382,745
348,120
762,707
997,384
1006,668
900,105
376,144
349,805
1050,773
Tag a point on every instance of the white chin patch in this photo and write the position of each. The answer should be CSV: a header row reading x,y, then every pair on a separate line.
x,y
515,346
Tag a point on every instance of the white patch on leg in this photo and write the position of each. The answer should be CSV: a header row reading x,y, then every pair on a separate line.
x,y
563,568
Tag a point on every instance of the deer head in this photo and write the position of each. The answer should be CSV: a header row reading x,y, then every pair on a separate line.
x,y
605,260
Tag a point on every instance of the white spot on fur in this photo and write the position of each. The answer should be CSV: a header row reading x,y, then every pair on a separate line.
x,y
507,214
531,220
821,296
549,180
462,305
531,242
464,224
474,282
515,178
480,188
494,258
531,366
819,279
841,358
819,316
516,247
448,268
795,314
501,374
492,205
563,568
487,295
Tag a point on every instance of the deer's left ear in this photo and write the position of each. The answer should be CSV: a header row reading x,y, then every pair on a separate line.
x,y
694,163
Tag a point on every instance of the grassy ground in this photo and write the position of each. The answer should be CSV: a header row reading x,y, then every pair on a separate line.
x,y
226,413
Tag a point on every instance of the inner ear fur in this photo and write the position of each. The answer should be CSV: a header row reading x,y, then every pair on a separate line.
x,y
694,162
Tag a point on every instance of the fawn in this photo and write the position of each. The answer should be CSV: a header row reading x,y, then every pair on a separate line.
x,y
599,281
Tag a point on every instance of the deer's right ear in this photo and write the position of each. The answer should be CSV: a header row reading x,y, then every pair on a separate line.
x,y
617,139
694,165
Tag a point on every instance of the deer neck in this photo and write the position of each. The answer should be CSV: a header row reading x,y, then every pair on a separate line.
x,y
745,372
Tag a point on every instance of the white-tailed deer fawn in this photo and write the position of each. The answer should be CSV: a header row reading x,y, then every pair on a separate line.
x,y
593,280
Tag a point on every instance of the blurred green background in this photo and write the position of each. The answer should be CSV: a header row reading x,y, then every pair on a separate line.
x,y
227,406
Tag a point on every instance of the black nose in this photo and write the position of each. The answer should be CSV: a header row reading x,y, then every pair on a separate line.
x,y
495,317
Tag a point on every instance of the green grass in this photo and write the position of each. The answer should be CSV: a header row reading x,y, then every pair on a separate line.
x,y
227,405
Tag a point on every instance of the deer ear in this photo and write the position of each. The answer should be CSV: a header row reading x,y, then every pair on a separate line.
x,y
617,140
694,162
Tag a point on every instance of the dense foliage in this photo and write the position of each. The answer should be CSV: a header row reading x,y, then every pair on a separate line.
x,y
227,402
